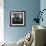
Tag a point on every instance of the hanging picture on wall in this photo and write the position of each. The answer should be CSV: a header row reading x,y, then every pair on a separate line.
x,y
17,18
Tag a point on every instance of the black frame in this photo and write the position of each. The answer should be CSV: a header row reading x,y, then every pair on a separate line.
x,y
15,14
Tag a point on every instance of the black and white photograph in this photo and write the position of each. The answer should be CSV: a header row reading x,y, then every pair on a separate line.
x,y
17,18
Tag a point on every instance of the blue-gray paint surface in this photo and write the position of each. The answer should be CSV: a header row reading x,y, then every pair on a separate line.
x,y
30,6
43,6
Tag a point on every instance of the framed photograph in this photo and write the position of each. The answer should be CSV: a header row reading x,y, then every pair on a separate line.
x,y
17,18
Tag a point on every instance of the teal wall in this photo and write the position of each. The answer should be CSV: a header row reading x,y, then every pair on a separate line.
x,y
30,6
